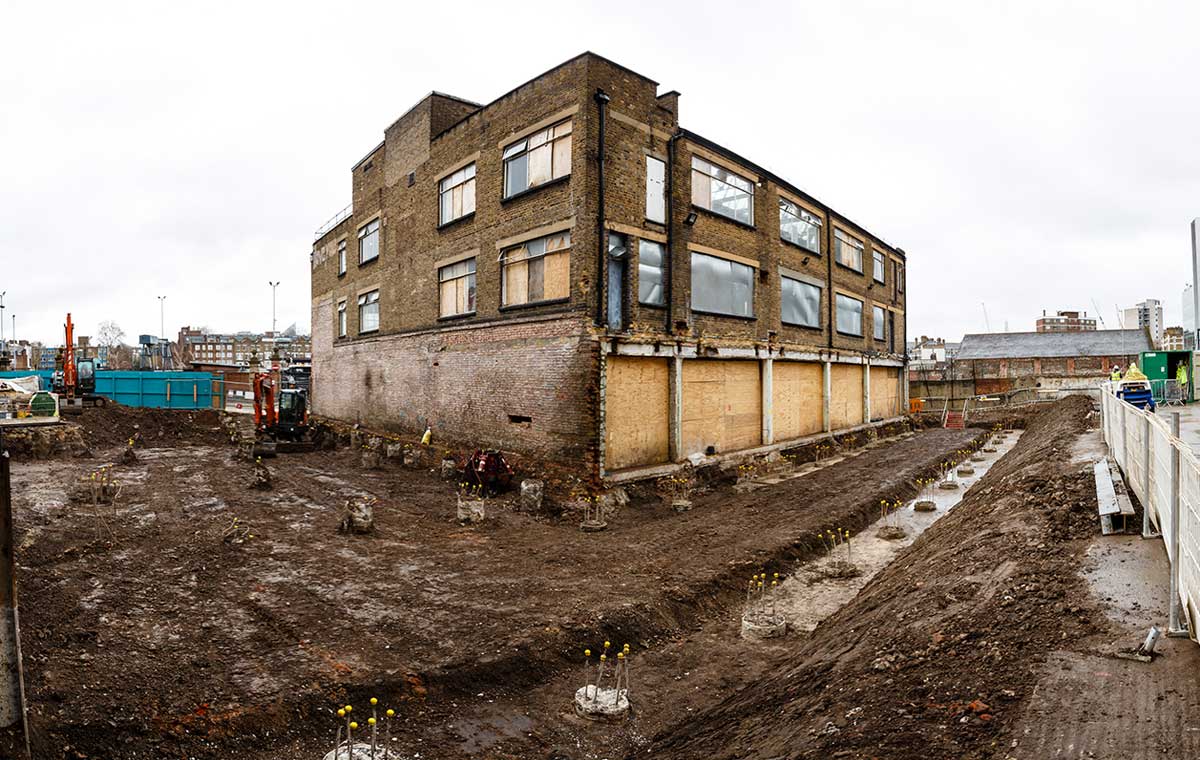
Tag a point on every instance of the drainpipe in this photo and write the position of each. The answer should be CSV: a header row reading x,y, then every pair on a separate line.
x,y
602,99
669,268
829,274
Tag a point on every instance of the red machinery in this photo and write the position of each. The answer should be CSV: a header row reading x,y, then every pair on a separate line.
x,y
287,421
76,383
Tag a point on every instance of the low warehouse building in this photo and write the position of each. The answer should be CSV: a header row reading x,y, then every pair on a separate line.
x,y
1032,364
568,273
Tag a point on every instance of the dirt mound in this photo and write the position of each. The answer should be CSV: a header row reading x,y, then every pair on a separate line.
x,y
939,650
113,424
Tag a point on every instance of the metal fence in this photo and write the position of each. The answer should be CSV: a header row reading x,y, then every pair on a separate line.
x,y
1164,474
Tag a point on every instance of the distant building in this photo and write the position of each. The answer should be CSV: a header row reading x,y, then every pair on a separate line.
x,y
1065,321
1189,319
1173,339
1146,315
929,353
236,349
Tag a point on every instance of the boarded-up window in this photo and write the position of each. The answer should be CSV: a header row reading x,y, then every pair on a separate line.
x,y
721,286
650,273
636,404
656,190
537,270
456,288
456,195
721,191
537,159
847,250
722,406
849,315
800,303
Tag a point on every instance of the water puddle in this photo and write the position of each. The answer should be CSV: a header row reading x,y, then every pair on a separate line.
x,y
808,597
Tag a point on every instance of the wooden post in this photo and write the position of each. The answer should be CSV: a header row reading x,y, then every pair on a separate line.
x,y
12,686
826,396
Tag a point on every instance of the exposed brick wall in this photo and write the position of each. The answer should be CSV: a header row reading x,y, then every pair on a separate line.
x,y
465,383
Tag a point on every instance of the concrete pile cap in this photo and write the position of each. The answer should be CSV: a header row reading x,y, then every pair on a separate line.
x,y
362,752
606,704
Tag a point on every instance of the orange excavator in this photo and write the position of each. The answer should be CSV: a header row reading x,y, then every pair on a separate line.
x,y
75,383
279,427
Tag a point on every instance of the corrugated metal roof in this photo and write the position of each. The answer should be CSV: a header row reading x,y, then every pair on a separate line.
x,y
1045,345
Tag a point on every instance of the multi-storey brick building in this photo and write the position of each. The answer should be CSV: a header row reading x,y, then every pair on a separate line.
x,y
567,272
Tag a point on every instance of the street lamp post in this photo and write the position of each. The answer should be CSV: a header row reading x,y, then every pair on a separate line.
x,y
273,286
2,294
162,356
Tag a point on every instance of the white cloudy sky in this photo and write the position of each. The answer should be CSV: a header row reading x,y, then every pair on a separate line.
x,y
1030,155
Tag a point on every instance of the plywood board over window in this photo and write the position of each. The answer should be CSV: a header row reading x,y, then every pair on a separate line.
x,y
796,399
846,400
636,430
885,392
722,406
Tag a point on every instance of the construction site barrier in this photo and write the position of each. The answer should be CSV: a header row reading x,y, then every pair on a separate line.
x,y
1164,474
163,390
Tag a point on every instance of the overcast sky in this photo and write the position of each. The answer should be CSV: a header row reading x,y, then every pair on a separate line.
x,y
1039,156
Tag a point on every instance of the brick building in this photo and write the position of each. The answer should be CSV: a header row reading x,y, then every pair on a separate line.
x,y
1066,321
567,272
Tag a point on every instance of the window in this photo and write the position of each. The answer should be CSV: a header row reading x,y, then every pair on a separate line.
x,y
801,303
849,315
368,312
537,159
880,269
650,273
341,257
899,272
368,242
797,225
847,251
722,191
456,288
656,190
722,286
341,323
879,319
456,195
537,270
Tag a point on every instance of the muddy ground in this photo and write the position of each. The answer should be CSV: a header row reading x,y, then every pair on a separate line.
x,y
936,656
149,632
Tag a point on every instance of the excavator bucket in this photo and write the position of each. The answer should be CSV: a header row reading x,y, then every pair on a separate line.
x,y
265,449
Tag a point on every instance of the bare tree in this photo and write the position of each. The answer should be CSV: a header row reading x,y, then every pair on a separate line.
x,y
110,334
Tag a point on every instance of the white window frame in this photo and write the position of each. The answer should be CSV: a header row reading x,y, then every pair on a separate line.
x,y
840,298
783,280
341,252
879,323
506,261
802,216
558,141
457,189
733,268
706,174
656,190
844,240
450,274
365,232
879,266
342,326
365,300
643,269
